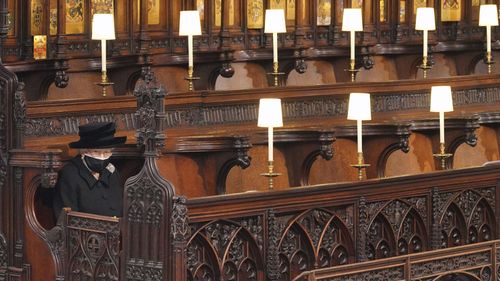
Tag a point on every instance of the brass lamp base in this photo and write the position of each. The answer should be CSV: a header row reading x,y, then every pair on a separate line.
x,y
360,165
352,69
276,74
270,174
425,67
442,156
489,61
104,83
191,79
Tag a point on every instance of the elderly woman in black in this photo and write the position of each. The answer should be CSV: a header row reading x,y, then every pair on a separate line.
x,y
89,183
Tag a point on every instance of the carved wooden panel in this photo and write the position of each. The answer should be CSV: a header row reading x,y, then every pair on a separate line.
x,y
3,251
466,263
314,238
467,217
397,227
93,248
226,250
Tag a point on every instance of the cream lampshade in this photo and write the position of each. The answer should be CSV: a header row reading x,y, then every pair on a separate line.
x,y
103,27
441,99
189,23
352,20
488,15
275,21
270,116
359,107
270,113
425,19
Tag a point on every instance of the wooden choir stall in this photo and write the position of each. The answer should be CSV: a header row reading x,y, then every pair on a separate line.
x,y
415,200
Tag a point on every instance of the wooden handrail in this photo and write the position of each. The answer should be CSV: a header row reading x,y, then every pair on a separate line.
x,y
433,264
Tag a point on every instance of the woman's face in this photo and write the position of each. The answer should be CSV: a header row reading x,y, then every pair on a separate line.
x,y
98,153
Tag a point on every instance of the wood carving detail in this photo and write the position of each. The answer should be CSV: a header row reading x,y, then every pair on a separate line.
x,y
203,115
94,248
316,237
383,274
397,228
468,217
180,225
444,265
3,252
226,250
138,270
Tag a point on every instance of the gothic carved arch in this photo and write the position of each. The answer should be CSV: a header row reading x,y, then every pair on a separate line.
x,y
412,236
381,241
481,224
470,139
132,81
201,260
296,253
397,227
468,218
54,237
475,60
316,237
453,231
402,145
225,250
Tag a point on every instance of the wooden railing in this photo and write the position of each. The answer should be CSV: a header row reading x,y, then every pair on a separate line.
x,y
283,233
472,262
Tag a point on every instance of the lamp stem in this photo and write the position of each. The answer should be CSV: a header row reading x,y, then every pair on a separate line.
x,y
275,47
360,136
488,39
270,143
103,55
190,78
441,127
190,50
425,42
353,41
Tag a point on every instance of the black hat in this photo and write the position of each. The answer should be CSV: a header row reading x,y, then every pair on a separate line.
x,y
97,135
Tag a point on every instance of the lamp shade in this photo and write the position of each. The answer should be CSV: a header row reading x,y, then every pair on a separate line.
x,y
488,15
352,20
270,113
189,23
359,107
275,21
425,19
103,27
441,99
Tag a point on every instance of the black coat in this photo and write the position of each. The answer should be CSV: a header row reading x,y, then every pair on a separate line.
x,y
78,189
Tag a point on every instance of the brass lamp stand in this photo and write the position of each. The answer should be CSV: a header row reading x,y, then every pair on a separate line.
x,y
360,165
489,61
425,66
270,174
276,73
352,69
190,78
442,156
104,83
